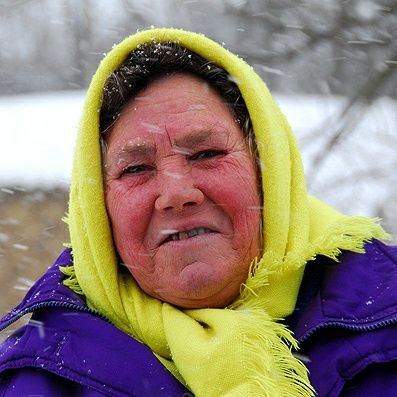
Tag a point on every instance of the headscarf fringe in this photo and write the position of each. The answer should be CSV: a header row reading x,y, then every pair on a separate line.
x,y
273,369
71,280
65,218
349,235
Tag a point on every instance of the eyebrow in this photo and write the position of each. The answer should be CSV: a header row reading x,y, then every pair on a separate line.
x,y
197,137
134,149
141,149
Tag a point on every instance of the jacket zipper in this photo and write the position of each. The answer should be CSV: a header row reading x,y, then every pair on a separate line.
x,y
53,304
350,327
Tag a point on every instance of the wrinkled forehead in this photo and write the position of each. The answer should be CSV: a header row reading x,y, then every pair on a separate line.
x,y
180,104
151,62
179,110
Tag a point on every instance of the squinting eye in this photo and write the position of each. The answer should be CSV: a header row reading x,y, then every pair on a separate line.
x,y
134,169
207,154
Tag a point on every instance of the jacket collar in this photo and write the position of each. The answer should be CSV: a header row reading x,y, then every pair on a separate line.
x,y
48,290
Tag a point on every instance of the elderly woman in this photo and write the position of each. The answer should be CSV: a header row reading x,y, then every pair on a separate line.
x,y
198,262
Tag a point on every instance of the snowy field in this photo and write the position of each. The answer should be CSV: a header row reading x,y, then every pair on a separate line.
x,y
38,133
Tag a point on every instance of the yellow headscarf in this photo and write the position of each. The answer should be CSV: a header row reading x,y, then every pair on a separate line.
x,y
243,350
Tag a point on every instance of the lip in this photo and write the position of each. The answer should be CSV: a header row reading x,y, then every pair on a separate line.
x,y
191,240
168,231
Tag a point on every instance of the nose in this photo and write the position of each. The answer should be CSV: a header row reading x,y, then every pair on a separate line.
x,y
178,192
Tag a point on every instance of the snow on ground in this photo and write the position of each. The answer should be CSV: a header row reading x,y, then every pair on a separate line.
x,y
37,137
38,133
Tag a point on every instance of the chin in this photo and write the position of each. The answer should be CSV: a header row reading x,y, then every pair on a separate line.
x,y
199,284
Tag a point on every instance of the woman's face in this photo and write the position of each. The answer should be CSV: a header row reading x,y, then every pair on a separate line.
x,y
182,194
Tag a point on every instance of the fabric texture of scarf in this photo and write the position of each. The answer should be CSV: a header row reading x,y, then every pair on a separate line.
x,y
241,350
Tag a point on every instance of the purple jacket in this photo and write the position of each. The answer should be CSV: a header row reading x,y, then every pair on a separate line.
x,y
69,350
345,321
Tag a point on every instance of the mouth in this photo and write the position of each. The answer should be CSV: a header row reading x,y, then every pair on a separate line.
x,y
177,236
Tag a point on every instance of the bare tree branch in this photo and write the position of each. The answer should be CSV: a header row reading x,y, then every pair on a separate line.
x,y
351,114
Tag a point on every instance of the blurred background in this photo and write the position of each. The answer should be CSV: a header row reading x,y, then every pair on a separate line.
x,y
331,65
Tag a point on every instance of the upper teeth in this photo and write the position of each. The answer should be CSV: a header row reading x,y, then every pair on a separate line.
x,y
189,233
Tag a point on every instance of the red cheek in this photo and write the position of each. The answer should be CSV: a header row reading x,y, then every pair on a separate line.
x,y
129,206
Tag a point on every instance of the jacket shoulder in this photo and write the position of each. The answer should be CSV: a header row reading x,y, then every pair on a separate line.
x,y
66,346
29,381
82,353
348,326
359,290
363,287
